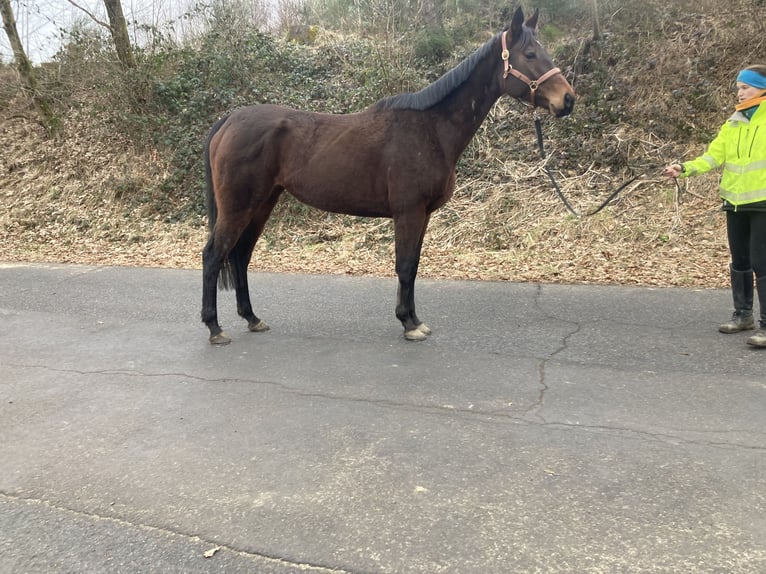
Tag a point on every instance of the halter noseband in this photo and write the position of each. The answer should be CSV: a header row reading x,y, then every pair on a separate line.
x,y
508,69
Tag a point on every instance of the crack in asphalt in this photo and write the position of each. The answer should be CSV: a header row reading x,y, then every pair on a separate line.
x,y
447,410
215,545
536,407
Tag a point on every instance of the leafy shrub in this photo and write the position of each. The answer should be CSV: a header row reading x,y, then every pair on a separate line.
x,y
628,78
433,46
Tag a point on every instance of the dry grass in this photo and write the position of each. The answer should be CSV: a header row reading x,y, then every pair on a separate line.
x,y
509,226
82,198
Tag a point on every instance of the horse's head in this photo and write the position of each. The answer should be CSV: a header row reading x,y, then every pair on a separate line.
x,y
528,71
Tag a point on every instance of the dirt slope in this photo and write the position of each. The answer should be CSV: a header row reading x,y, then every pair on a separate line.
x,y
52,210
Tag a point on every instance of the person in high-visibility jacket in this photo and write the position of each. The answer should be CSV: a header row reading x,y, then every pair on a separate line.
x,y
740,149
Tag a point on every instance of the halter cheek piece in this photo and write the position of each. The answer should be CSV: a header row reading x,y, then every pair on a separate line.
x,y
508,69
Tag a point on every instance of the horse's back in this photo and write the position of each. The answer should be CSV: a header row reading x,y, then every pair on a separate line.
x,y
285,133
273,119
244,125
371,163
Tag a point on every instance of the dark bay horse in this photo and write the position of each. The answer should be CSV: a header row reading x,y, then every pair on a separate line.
x,y
395,159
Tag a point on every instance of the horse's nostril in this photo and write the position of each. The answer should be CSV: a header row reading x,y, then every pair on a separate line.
x,y
568,106
569,101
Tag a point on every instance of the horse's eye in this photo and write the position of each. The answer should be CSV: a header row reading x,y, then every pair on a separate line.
x,y
530,55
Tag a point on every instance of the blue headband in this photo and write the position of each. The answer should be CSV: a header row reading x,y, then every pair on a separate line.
x,y
752,78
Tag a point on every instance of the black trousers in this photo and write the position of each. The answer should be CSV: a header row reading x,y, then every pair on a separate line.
x,y
747,241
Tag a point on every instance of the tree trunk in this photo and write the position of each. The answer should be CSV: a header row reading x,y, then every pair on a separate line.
x,y
119,29
24,66
432,14
596,25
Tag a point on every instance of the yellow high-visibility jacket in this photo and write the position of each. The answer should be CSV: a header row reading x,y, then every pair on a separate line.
x,y
740,147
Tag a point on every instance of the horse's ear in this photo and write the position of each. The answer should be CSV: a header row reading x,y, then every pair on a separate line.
x,y
531,22
517,23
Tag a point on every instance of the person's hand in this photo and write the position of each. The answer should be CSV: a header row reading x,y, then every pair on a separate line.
x,y
673,170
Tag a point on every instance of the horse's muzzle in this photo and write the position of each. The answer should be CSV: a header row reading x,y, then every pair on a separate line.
x,y
566,109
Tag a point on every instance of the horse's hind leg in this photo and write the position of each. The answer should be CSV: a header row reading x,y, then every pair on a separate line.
x,y
409,232
227,255
212,261
240,259
219,267
233,265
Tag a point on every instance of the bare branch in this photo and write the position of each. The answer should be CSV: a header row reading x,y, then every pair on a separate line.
x,y
90,15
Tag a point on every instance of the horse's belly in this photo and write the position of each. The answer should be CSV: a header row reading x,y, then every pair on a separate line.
x,y
348,202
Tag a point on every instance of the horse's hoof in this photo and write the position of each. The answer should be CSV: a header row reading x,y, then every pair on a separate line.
x,y
219,339
425,329
258,327
415,335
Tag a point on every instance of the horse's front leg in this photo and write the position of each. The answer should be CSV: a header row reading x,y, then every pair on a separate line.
x,y
409,232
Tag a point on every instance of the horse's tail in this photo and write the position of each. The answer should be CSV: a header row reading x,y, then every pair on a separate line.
x,y
226,279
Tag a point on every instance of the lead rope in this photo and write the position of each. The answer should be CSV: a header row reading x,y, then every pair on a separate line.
x,y
614,194
508,69
541,147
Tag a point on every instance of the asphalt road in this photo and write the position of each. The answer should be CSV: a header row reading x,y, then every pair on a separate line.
x,y
541,428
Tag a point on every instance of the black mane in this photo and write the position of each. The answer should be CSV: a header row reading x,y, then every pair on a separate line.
x,y
435,92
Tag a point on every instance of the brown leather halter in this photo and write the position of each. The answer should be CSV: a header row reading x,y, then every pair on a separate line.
x,y
509,69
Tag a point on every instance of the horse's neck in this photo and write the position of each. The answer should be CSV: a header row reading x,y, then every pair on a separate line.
x,y
462,113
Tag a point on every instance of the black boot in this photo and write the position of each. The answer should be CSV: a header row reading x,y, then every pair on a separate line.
x,y
742,293
758,339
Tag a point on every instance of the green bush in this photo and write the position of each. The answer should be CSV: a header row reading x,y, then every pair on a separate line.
x,y
433,46
175,93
